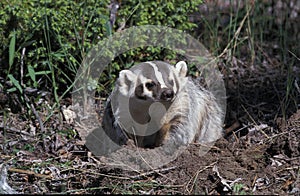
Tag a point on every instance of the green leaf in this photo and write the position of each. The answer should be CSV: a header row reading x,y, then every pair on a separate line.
x,y
12,46
42,73
15,82
108,28
31,73
13,89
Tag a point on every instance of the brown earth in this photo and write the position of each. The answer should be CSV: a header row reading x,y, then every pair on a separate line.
x,y
255,163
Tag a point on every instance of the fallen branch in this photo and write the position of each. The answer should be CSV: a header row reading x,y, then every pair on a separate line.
x,y
11,129
29,173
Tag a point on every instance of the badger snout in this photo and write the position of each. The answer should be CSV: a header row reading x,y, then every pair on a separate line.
x,y
167,94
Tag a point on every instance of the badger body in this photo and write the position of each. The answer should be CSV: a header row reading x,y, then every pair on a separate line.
x,y
155,104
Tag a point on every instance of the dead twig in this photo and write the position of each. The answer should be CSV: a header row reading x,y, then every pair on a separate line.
x,y
236,34
37,116
287,168
14,130
94,173
29,173
195,177
159,171
255,122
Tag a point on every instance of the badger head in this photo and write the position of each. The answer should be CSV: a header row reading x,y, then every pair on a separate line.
x,y
154,81
141,92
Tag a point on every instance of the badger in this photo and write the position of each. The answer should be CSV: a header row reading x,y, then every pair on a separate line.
x,y
154,104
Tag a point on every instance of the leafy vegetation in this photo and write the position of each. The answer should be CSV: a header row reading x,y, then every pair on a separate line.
x,y
44,42
48,40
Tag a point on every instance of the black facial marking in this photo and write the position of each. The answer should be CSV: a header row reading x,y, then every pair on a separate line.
x,y
167,94
139,92
171,83
150,85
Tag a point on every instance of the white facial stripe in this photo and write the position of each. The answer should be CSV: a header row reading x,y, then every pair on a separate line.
x,y
171,78
158,75
146,92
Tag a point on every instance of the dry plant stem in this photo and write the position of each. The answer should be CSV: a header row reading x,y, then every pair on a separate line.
x,y
29,173
194,178
237,131
205,145
254,121
4,132
27,99
236,34
158,171
22,66
11,129
273,61
254,181
288,168
77,191
38,118
36,114
94,173
270,139
298,58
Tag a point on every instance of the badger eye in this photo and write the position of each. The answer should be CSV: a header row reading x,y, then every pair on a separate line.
x,y
150,85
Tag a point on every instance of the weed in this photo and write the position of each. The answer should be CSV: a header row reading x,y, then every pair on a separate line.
x,y
238,189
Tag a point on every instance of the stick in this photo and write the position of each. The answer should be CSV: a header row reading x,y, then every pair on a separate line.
x,y
29,173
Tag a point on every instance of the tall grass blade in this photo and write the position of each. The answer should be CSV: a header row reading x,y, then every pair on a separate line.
x,y
32,74
12,45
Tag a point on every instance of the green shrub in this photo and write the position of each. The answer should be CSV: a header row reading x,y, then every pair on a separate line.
x,y
170,13
58,34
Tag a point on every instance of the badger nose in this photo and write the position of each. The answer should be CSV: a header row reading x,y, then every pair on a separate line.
x,y
167,95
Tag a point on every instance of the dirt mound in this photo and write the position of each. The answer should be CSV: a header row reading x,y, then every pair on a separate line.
x,y
269,165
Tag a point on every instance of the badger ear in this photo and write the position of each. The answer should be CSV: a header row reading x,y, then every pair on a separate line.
x,y
126,76
181,68
126,80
